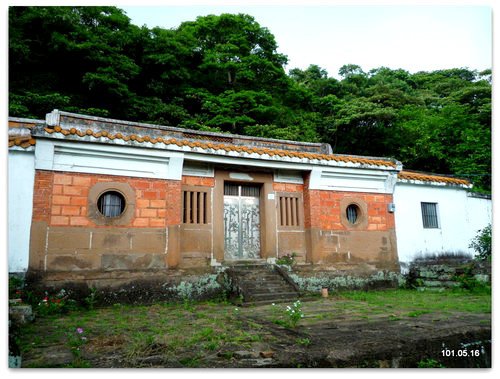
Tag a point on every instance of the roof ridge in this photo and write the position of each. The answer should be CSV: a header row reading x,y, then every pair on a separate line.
x,y
54,118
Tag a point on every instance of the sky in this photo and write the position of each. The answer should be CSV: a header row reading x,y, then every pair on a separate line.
x,y
414,38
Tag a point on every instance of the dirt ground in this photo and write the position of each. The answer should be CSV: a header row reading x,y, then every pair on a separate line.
x,y
333,333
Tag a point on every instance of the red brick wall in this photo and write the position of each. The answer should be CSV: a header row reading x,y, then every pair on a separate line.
x,y
61,199
42,195
325,210
198,181
288,187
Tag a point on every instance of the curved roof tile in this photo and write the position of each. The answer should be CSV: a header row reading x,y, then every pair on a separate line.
x,y
423,177
225,147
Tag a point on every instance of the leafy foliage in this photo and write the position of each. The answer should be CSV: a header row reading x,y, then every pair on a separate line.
x,y
224,73
481,244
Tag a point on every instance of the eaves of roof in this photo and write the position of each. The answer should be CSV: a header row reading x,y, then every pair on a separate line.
x,y
20,132
419,177
209,147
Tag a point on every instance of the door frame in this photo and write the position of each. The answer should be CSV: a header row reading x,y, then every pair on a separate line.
x,y
267,202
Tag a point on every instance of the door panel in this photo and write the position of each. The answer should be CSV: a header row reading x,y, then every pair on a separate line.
x,y
250,227
241,222
231,227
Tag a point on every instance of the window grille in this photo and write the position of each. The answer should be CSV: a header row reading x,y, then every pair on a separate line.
x,y
231,189
111,204
194,207
289,211
429,215
246,190
352,213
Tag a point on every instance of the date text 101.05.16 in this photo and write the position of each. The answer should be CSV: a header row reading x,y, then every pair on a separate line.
x,y
461,353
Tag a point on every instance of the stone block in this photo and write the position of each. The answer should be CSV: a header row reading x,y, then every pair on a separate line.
x,y
111,240
153,241
68,238
111,262
21,314
73,262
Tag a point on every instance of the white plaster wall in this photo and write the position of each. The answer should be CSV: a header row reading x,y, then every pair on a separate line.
x,y
21,178
479,214
459,218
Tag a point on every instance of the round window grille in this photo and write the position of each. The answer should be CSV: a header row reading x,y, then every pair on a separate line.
x,y
111,204
353,212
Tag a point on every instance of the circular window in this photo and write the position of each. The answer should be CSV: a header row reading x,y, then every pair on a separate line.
x,y
352,213
111,204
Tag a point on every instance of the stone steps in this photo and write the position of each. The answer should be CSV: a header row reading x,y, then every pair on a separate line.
x,y
258,284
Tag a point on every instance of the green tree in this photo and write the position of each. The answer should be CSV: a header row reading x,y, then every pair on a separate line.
x,y
93,42
224,73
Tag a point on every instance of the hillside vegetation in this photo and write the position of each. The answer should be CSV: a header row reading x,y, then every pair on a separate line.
x,y
224,73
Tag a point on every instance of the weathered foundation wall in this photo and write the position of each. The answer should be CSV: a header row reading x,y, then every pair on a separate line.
x,y
69,234
332,238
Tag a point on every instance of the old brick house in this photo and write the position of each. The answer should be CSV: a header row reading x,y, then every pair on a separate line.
x,y
102,199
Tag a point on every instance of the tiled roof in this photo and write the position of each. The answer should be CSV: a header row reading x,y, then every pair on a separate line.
x,y
431,178
20,132
23,142
218,146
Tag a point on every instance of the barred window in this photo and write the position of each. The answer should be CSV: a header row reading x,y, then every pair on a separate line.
x,y
289,211
245,190
111,204
195,207
352,213
429,215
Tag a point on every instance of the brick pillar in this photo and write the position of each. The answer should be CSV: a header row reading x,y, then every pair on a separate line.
x,y
174,220
42,202
312,211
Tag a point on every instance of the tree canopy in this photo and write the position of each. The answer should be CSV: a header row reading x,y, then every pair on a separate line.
x,y
224,73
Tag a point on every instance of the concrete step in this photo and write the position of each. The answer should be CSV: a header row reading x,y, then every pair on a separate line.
x,y
256,274
261,283
270,289
274,296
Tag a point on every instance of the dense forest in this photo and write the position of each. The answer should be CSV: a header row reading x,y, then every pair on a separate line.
x,y
224,73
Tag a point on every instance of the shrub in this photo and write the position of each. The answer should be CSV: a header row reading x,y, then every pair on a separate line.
x,y
286,260
481,244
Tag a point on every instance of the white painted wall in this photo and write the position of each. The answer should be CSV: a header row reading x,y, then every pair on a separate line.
x,y
20,207
476,209
57,155
459,215
352,179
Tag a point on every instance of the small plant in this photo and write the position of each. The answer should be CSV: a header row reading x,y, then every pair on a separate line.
x,y
303,341
227,354
76,339
91,299
286,260
54,304
430,363
416,313
188,305
294,313
16,285
290,316
481,244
